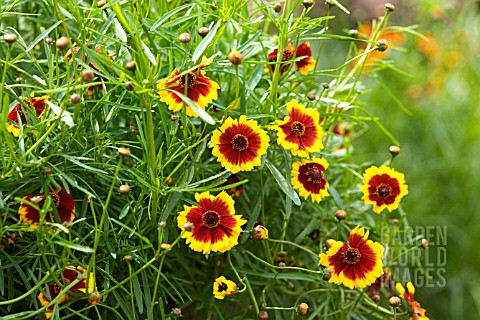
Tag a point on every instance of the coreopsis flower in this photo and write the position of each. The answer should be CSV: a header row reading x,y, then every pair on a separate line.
x,y
222,287
62,200
215,225
357,263
37,106
239,144
418,313
195,85
68,275
307,177
383,187
300,131
307,63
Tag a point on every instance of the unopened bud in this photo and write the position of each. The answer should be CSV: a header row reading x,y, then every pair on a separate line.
x,y
18,79
325,86
188,226
49,40
327,274
169,181
353,33
94,298
36,199
330,3
47,170
75,98
128,86
124,152
162,224
376,298
127,257
203,31
394,301
260,232
329,243
165,246
282,264
263,315
278,8
235,57
174,117
424,243
87,75
131,65
177,312
185,37
101,3
62,43
340,215
124,189
10,38
303,308
308,3
394,150
381,45
311,96
390,7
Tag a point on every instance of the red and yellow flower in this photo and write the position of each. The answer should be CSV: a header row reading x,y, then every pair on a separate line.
x,y
239,144
215,225
418,313
195,85
357,263
69,274
307,63
307,177
300,131
222,287
383,187
62,200
37,106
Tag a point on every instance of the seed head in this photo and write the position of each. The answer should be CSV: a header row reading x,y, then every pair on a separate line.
x,y
303,308
62,43
381,45
235,57
87,75
394,301
75,98
124,152
131,65
10,38
185,37
203,31
340,215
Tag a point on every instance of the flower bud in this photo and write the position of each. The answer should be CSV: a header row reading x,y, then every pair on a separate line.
x,y
353,33
131,65
101,3
424,243
340,215
260,232
125,152
47,170
330,3
308,3
185,37
162,224
128,86
303,308
263,315
394,301
203,31
311,96
124,189
177,312
165,246
10,38
188,226
87,75
75,98
62,43
37,199
94,298
174,117
329,243
169,181
282,264
327,274
49,40
278,8
381,45
390,7
325,86
394,150
376,298
235,57
127,257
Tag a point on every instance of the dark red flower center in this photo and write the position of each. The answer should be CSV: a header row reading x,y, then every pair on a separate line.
x,y
190,79
287,54
55,198
297,128
352,256
211,219
18,109
383,191
222,287
239,142
314,175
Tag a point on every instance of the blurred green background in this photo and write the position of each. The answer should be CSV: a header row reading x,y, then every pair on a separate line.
x,y
440,142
